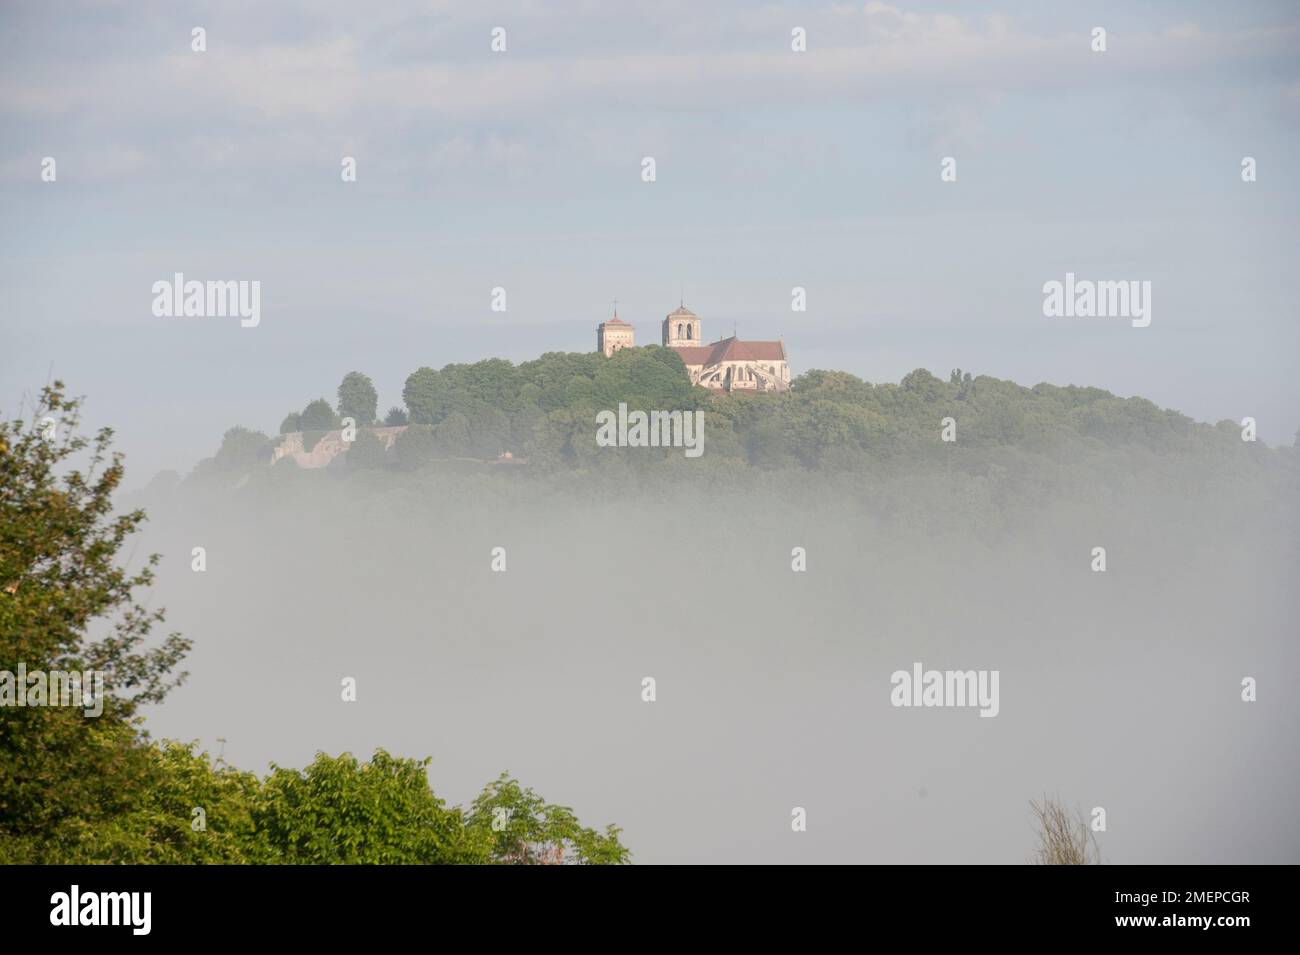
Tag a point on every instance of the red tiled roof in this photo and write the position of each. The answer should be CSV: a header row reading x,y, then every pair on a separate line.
x,y
615,321
732,349
694,354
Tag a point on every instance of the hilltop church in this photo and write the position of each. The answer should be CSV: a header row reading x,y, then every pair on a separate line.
x,y
728,364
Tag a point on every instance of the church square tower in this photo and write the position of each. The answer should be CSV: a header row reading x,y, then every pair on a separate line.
x,y
681,328
613,335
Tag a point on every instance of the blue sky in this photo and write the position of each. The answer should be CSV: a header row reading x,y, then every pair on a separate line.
x,y
522,169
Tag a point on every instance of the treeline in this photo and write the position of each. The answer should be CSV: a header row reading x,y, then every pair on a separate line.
x,y
82,788
543,412
171,805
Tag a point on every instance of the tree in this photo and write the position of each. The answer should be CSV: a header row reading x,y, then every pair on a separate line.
x,y
358,399
292,422
317,418
415,447
80,786
158,825
523,829
366,452
61,769
424,395
242,449
395,417
453,437
340,811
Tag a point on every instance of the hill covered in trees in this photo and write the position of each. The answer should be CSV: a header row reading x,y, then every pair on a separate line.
x,y
833,424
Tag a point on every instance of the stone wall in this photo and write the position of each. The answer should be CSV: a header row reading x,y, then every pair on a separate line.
x,y
328,448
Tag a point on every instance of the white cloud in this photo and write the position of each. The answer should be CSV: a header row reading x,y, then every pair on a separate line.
x,y
426,82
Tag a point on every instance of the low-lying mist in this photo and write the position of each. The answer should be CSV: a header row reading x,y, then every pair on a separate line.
x,y
1119,689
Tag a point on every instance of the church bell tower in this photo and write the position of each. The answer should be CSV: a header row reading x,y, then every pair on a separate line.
x,y
681,327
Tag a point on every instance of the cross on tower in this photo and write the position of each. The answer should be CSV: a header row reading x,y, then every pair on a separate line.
x,y
616,308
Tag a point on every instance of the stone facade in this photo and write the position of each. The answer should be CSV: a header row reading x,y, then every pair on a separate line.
x,y
681,328
328,448
728,364
613,335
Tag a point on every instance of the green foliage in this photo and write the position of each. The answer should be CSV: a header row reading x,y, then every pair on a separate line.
x,y
395,417
242,450
158,823
521,828
59,578
316,419
542,412
358,399
318,416
424,396
292,422
367,451
339,810
453,437
78,788
415,447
